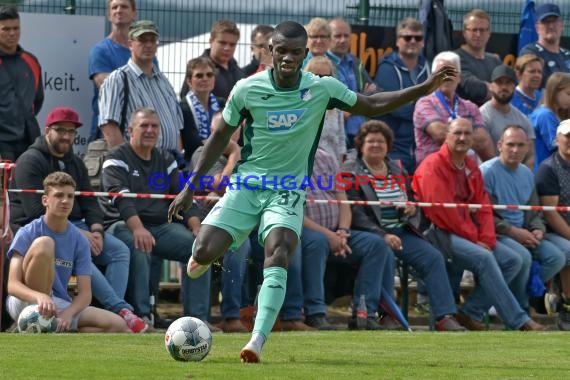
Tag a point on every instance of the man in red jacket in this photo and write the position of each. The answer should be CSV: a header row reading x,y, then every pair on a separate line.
x,y
450,176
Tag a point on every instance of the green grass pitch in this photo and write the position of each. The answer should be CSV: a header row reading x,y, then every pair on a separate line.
x,y
313,355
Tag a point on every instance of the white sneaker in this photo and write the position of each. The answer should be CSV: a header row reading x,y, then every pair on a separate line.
x,y
249,354
551,300
195,270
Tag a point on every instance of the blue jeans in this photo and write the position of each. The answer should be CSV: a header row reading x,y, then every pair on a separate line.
x,y
562,244
314,252
373,256
429,264
551,257
520,280
233,276
491,287
172,242
109,289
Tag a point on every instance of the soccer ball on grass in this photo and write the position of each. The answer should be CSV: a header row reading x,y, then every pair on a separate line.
x,y
31,321
188,339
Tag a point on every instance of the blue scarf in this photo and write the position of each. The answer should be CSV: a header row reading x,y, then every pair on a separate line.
x,y
202,118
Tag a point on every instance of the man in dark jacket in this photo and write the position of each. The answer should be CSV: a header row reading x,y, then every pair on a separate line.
x,y
476,63
53,152
21,89
404,68
224,37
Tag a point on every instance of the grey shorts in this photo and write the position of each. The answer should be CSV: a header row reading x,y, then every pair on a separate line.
x,y
15,306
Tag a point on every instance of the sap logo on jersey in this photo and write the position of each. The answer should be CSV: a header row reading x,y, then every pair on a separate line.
x,y
283,120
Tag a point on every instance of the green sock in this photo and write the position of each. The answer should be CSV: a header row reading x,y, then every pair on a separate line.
x,y
270,299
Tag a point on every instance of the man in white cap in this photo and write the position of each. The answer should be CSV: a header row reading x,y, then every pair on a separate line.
x,y
553,188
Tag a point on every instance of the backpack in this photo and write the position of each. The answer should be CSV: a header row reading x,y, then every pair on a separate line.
x,y
96,150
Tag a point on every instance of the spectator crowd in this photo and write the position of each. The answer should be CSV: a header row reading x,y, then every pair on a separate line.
x,y
494,134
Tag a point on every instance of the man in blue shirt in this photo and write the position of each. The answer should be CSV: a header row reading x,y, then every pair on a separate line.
x,y
508,181
110,53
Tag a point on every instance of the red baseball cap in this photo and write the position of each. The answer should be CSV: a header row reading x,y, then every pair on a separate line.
x,y
63,115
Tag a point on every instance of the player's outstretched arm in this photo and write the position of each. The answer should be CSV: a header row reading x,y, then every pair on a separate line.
x,y
214,147
384,102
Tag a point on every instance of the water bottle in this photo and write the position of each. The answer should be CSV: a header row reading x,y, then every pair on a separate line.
x,y
361,313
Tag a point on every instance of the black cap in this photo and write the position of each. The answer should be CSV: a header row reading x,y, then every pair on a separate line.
x,y
503,71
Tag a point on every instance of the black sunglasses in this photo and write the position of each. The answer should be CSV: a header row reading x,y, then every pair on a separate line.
x,y
201,75
408,38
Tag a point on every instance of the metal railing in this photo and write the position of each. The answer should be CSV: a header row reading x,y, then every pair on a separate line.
x,y
188,22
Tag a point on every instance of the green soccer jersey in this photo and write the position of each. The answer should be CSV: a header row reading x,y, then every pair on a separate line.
x,y
282,126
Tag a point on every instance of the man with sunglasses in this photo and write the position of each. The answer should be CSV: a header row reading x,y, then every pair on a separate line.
x,y
401,69
476,64
54,152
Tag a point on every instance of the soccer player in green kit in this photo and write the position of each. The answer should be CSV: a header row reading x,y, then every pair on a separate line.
x,y
283,109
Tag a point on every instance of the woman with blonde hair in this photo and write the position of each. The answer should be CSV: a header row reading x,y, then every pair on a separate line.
x,y
319,32
555,108
528,93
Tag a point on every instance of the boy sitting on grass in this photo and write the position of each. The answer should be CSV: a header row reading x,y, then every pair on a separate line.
x,y
44,255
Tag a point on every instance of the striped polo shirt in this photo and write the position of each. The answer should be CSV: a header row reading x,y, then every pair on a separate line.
x,y
154,91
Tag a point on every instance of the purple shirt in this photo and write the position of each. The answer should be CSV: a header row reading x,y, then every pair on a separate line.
x,y
429,109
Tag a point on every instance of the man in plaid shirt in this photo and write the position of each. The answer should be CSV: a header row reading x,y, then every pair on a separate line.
x,y
433,113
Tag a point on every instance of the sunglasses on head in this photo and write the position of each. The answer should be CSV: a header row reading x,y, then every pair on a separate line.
x,y
201,75
408,38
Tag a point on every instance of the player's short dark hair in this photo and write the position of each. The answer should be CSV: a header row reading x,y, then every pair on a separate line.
x,y
290,29
58,179
9,12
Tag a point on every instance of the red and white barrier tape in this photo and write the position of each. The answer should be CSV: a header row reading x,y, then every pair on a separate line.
x,y
311,200
7,165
